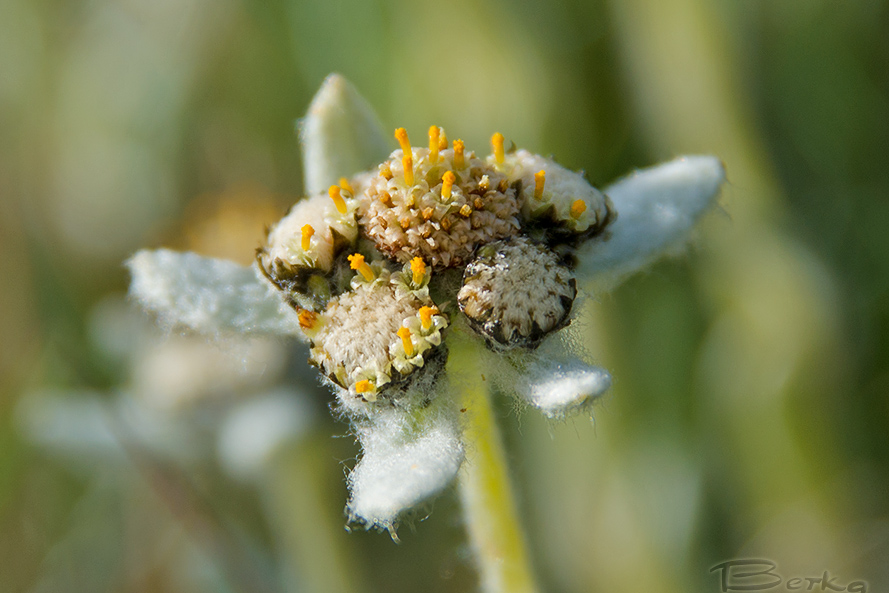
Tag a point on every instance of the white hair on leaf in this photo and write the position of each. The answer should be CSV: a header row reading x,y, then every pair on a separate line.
x,y
560,389
209,296
657,208
408,459
340,135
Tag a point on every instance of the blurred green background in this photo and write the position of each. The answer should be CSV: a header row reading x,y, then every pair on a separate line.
x,y
749,413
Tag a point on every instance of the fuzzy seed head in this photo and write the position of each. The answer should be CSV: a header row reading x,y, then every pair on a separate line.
x,y
432,215
516,292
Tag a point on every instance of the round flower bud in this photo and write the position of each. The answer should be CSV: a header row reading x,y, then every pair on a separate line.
x,y
374,337
555,197
441,211
300,256
516,292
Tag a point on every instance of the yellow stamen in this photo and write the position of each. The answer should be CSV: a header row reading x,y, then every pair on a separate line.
x,y
344,183
356,262
307,319
386,199
408,164
405,335
364,386
447,181
401,136
539,180
385,171
442,140
434,135
465,210
426,314
459,163
307,232
418,267
338,200
497,143
578,208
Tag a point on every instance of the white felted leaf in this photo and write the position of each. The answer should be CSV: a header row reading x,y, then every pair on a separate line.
x,y
254,431
406,461
210,296
656,209
559,389
341,135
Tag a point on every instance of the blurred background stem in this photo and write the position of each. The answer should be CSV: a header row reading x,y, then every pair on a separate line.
x,y
489,508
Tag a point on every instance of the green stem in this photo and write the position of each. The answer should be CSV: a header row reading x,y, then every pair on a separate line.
x,y
315,547
485,490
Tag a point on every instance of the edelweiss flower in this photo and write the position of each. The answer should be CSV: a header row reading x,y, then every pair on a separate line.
x,y
391,258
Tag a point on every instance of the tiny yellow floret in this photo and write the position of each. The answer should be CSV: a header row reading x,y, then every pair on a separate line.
x,y
447,181
364,386
356,262
307,319
386,199
344,183
426,314
539,180
497,143
401,136
578,208
385,171
434,135
408,164
442,140
405,335
465,210
307,232
459,163
339,202
418,267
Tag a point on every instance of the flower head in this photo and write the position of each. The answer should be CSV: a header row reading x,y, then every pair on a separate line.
x,y
377,266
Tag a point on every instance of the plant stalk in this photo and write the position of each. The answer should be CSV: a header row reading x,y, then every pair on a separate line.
x,y
489,507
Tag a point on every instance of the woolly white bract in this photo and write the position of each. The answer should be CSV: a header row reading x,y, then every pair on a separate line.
x,y
410,434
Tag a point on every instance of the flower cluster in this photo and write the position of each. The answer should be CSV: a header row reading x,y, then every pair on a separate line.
x,y
377,269
496,235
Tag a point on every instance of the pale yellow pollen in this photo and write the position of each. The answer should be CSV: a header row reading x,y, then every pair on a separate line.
x,y
405,335
465,210
403,141
307,232
459,162
578,208
418,268
497,143
364,386
307,319
426,314
339,202
539,180
447,181
427,212
356,262
434,135
344,183
442,140
407,162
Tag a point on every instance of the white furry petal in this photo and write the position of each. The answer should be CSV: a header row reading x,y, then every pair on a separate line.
x,y
210,296
559,389
341,135
406,461
656,210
